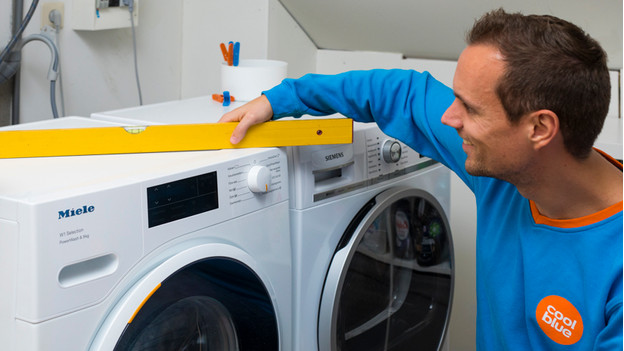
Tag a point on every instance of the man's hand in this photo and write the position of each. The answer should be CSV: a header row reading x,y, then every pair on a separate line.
x,y
254,112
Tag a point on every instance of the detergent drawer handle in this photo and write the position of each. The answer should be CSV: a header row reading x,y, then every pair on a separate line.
x,y
88,270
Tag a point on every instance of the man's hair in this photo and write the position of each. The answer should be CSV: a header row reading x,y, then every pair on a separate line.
x,y
551,64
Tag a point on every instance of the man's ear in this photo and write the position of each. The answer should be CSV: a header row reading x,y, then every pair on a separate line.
x,y
544,126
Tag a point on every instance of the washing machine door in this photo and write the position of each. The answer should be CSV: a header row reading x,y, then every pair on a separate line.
x,y
389,285
212,303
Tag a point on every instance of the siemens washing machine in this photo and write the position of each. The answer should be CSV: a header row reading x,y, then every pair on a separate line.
x,y
372,247
373,253
164,251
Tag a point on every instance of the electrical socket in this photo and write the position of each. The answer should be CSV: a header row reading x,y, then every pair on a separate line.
x,y
48,7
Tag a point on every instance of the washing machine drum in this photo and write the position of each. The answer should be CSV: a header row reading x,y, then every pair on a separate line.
x,y
212,304
389,285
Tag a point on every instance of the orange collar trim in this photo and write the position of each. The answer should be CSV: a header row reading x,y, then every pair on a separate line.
x,y
575,222
581,221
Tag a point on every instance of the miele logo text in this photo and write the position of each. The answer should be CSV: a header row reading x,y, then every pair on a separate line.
x,y
75,211
334,156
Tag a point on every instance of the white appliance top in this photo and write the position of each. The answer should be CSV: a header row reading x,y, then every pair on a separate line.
x,y
195,110
44,178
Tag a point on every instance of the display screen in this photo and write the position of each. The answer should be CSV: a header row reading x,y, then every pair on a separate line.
x,y
182,198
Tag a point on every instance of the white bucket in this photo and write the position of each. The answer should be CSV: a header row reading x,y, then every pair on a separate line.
x,y
250,78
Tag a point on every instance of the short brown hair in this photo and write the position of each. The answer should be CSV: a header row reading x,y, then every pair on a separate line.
x,y
550,64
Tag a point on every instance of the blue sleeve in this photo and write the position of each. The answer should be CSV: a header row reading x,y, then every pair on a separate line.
x,y
405,104
610,338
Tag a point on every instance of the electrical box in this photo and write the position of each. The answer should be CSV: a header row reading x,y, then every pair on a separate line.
x,y
103,14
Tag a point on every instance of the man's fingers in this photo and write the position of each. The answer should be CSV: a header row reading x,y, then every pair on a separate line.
x,y
232,116
240,130
255,112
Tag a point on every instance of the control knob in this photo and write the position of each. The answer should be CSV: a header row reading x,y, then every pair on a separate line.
x,y
391,151
259,179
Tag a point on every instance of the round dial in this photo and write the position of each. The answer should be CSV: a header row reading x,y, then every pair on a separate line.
x,y
391,151
259,179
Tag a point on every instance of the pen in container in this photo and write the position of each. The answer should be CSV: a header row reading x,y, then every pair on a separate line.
x,y
224,51
231,53
236,54
230,59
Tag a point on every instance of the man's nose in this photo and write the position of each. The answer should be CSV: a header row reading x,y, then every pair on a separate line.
x,y
451,116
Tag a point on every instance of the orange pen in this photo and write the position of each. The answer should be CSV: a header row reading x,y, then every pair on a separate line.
x,y
219,97
224,52
230,59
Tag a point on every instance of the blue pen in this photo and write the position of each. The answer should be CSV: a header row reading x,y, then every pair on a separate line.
x,y
236,53
226,98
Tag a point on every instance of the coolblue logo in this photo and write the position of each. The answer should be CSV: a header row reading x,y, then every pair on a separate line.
x,y
72,212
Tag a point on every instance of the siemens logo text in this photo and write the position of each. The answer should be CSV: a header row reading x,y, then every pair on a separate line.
x,y
334,156
75,211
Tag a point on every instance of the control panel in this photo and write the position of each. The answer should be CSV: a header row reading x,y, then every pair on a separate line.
x,y
242,182
387,156
326,171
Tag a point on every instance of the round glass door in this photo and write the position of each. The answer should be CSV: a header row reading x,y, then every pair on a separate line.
x,y
213,304
389,285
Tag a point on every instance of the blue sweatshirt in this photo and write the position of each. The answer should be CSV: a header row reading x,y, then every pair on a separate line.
x,y
542,284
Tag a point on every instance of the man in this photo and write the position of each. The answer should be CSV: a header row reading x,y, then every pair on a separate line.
x,y
530,97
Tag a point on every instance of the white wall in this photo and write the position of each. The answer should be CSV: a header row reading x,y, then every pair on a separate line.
x,y
287,42
205,25
435,29
5,22
178,53
97,66
263,27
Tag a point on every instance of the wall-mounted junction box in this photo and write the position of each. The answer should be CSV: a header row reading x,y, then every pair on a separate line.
x,y
103,14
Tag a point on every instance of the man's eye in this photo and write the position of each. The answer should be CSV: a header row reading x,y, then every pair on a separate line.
x,y
468,108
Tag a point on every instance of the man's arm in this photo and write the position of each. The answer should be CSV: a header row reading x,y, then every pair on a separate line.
x,y
405,104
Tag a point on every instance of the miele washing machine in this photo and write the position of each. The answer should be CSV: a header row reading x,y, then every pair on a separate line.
x,y
372,247
162,251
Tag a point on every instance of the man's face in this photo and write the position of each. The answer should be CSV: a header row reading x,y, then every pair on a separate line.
x,y
494,147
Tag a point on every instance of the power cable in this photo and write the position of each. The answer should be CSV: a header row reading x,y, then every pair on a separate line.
x,y
52,71
55,18
130,4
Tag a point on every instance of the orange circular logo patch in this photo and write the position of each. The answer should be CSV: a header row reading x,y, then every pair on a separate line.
x,y
559,319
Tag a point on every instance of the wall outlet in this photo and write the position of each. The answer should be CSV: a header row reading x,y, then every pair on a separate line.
x,y
48,7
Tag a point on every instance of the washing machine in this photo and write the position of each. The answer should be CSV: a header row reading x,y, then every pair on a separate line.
x,y
373,253
372,247
163,251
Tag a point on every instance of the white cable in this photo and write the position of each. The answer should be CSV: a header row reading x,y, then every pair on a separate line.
x,y
55,18
136,65
52,71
